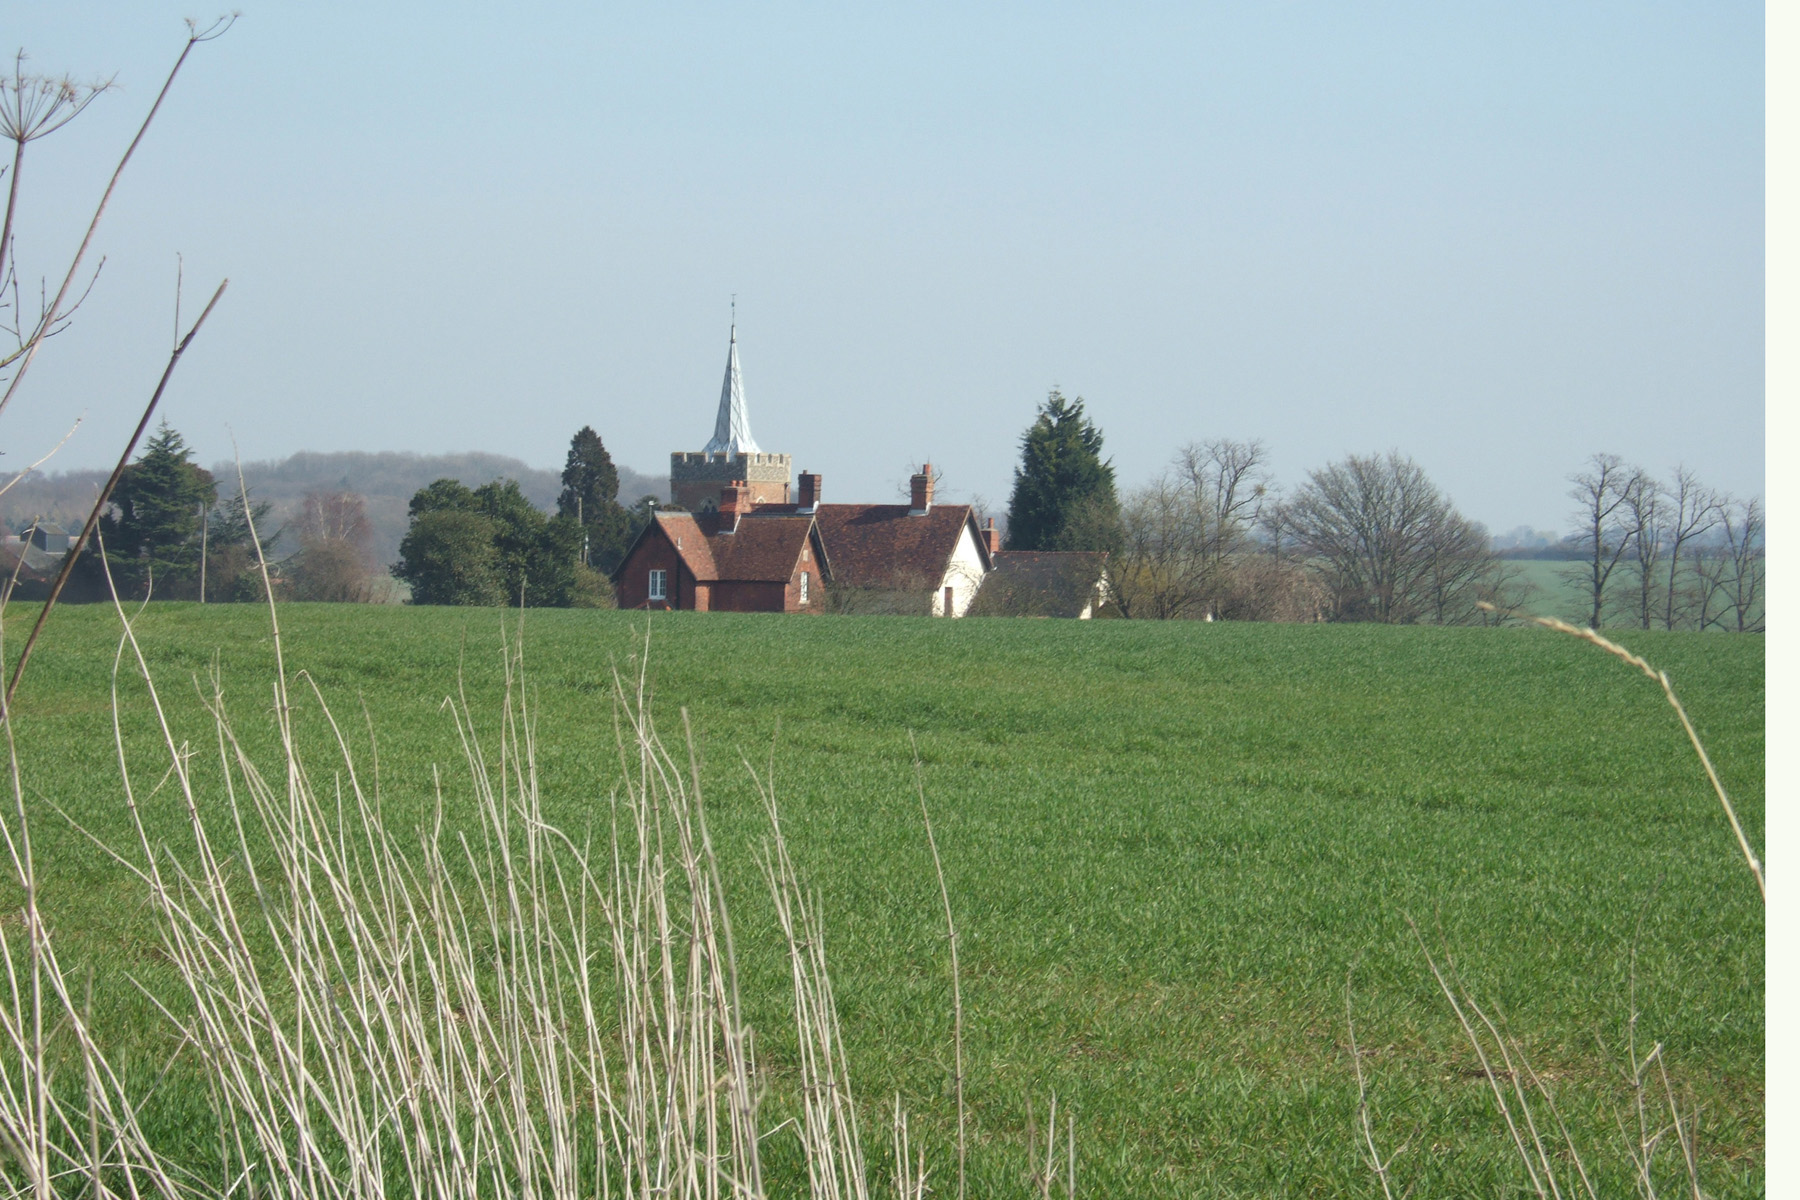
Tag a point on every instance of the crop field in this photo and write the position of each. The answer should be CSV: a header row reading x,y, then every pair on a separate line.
x,y
1169,849
1554,588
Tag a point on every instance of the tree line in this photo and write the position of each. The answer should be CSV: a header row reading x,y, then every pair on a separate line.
x,y
171,532
490,545
1666,554
1371,538
1212,536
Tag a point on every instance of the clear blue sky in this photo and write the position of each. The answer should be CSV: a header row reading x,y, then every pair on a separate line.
x,y
1499,237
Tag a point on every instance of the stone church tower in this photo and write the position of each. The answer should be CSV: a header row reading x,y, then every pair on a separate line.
x,y
696,479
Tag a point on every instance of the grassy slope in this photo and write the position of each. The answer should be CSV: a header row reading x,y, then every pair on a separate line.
x,y
1166,844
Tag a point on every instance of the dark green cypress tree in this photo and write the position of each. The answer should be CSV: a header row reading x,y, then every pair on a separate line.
x,y
1063,496
590,481
590,494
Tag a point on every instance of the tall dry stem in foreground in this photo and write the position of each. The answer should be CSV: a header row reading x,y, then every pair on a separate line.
x,y
962,1137
505,1010
1662,678
1552,1162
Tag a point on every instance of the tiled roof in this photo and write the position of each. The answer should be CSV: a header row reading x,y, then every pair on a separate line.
x,y
884,545
763,550
38,564
1051,583
1044,567
689,540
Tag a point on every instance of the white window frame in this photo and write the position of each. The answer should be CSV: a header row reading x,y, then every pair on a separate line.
x,y
659,585
805,586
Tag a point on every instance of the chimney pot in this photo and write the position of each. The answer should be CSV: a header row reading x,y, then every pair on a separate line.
x,y
734,501
922,487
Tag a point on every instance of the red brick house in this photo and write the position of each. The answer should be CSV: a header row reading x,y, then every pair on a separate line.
x,y
919,557
917,553
734,559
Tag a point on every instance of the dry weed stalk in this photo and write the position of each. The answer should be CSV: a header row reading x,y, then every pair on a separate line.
x,y
909,1174
24,119
1661,677
1365,1123
442,1016
1043,1179
962,1138
507,1011
1514,1083
1488,1042
100,503
1517,1087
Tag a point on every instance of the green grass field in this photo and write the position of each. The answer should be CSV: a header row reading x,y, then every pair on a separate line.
x,y
1166,845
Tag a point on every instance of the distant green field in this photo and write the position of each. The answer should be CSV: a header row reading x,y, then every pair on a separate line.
x,y
1558,589
1166,845
1552,592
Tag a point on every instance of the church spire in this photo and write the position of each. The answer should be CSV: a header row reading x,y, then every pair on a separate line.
x,y
731,432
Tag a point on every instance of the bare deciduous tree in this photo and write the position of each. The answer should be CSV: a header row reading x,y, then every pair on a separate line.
x,y
1731,570
336,516
1181,537
1696,513
1157,570
1232,481
1603,536
1645,529
336,561
1386,543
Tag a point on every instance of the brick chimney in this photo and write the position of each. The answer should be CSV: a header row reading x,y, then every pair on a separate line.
x,y
921,491
809,491
734,502
992,537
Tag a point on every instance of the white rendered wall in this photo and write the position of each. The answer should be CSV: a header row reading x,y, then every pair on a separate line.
x,y
964,575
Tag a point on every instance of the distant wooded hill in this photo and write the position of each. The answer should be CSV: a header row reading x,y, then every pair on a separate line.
x,y
386,481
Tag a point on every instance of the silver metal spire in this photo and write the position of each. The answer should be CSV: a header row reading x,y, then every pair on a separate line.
x,y
731,432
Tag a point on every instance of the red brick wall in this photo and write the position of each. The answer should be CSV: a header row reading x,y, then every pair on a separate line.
x,y
739,596
815,592
655,552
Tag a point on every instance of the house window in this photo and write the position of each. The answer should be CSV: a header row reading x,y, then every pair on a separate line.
x,y
659,585
805,586
949,602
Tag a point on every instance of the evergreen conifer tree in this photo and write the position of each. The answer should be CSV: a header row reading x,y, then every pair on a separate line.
x,y
589,478
152,536
1063,496
590,495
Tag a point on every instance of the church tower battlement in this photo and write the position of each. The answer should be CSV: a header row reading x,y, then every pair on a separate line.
x,y
696,478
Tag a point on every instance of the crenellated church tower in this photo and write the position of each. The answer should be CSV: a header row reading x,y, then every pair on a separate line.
x,y
696,479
